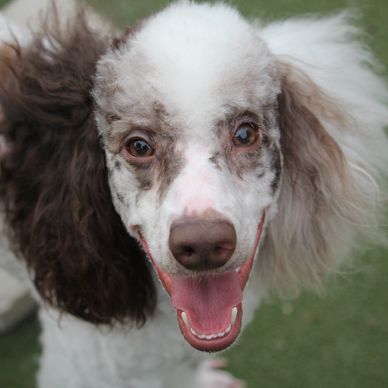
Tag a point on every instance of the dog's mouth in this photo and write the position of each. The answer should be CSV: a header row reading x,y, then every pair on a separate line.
x,y
209,307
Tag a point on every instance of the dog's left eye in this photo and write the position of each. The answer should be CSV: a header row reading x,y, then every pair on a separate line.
x,y
139,148
245,135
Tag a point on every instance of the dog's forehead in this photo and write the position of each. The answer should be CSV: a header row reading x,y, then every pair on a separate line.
x,y
197,62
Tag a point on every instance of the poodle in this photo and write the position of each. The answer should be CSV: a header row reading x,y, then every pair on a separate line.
x,y
158,184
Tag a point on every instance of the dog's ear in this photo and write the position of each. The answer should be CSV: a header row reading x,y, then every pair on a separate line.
x,y
53,182
323,201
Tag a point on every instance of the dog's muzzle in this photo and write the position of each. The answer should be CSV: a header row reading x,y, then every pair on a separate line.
x,y
207,298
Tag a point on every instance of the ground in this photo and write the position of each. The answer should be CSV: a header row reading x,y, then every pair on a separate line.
x,y
336,340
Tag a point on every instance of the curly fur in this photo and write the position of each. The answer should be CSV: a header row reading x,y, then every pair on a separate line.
x,y
333,187
77,206
322,204
54,181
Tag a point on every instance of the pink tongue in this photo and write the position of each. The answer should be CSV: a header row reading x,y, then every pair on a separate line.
x,y
208,301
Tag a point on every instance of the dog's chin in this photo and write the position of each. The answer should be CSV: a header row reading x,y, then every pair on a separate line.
x,y
209,305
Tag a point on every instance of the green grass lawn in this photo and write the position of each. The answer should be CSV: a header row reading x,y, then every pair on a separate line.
x,y
339,340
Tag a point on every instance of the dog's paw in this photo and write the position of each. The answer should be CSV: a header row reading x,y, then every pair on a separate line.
x,y
210,375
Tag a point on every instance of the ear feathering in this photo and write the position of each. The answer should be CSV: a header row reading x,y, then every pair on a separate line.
x,y
327,203
333,110
53,182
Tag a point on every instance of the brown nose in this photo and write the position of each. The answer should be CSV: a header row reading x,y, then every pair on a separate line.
x,y
200,244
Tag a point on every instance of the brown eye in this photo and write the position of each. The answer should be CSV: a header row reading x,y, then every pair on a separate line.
x,y
245,135
139,148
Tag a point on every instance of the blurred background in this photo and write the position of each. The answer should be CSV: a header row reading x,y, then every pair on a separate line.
x,y
336,340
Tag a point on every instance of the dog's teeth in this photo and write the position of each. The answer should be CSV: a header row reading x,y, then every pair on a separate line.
x,y
234,316
185,318
210,337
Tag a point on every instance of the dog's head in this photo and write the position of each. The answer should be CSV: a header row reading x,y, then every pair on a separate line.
x,y
207,147
188,109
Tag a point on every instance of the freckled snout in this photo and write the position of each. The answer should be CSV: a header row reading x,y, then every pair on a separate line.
x,y
201,244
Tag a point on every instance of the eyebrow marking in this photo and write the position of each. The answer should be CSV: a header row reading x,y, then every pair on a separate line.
x,y
111,117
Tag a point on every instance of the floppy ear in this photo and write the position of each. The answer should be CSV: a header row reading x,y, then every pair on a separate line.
x,y
54,186
326,201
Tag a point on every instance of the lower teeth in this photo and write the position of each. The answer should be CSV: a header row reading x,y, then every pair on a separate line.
x,y
210,336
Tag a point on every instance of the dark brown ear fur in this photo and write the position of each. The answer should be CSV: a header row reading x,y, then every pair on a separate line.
x,y
53,183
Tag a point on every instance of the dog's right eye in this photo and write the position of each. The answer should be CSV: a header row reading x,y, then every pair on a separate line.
x,y
138,148
245,135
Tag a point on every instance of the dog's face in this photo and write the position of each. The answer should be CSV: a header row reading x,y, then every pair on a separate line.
x,y
207,139
188,116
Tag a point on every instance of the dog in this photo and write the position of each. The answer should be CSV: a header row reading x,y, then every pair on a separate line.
x,y
157,185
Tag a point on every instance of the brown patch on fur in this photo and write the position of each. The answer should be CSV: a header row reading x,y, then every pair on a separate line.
x,y
215,159
53,184
248,161
118,165
241,159
119,128
111,117
277,167
161,171
170,163
265,140
144,174
166,164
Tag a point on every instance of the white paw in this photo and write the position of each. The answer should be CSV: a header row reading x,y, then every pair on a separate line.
x,y
210,376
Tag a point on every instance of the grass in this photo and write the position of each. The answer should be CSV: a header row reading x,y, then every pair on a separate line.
x,y
339,340
19,353
336,341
